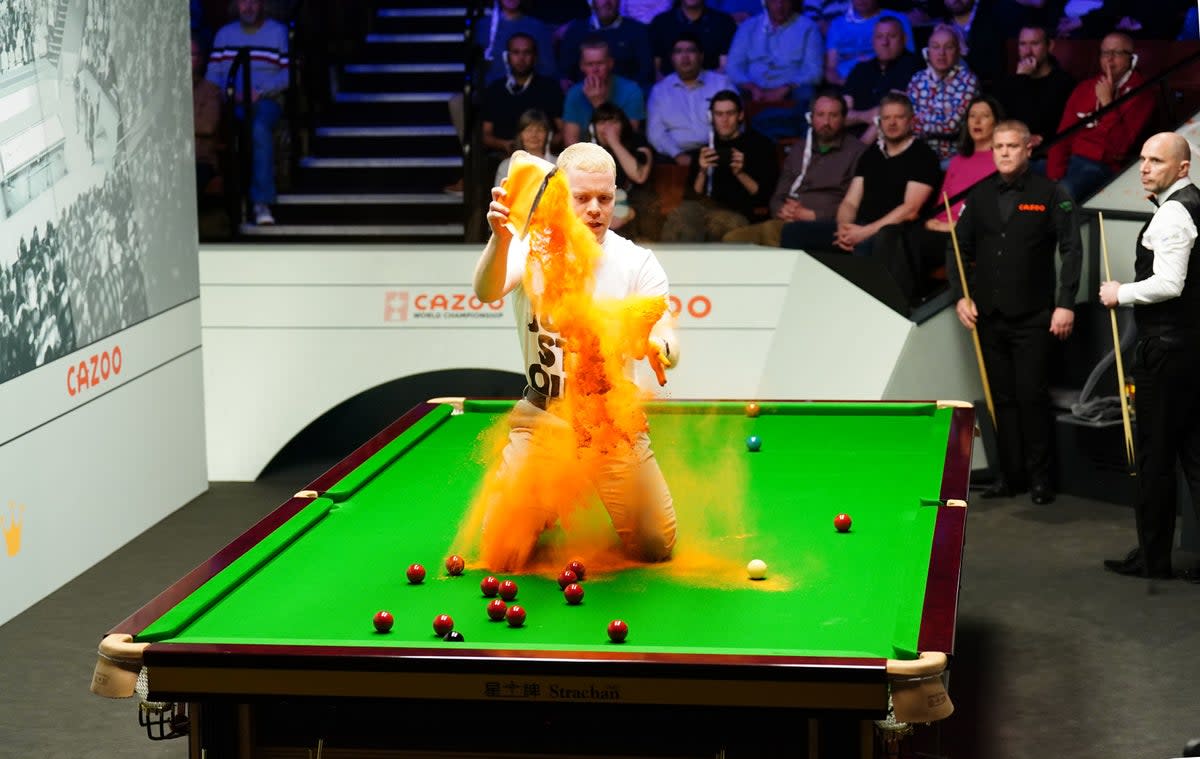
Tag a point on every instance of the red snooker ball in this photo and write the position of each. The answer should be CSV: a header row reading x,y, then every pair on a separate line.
x,y
490,586
442,624
383,621
567,577
618,631
508,590
576,566
496,609
455,565
573,593
515,616
416,574
842,522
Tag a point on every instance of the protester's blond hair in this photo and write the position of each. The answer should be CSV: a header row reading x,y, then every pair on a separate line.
x,y
587,156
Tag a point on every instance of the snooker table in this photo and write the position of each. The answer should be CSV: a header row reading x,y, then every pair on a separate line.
x,y
271,643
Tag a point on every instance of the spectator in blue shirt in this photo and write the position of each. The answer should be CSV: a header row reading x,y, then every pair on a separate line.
x,y
776,56
677,113
600,85
628,45
850,38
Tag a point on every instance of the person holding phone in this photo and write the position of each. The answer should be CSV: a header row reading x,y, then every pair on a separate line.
x,y
730,180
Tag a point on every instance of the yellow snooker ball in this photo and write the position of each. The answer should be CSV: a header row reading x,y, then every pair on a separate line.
x,y
757,569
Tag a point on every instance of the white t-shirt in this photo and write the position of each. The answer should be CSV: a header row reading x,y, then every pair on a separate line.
x,y
624,269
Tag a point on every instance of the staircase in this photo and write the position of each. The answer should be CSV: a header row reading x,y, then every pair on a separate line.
x,y
385,147
57,25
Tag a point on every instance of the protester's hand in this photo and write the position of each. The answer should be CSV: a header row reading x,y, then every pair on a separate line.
x,y
497,214
659,356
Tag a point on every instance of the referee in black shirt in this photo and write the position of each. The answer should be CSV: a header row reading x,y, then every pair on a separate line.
x,y
1007,233
1165,295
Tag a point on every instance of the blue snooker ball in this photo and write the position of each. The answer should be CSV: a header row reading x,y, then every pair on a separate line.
x,y
753,443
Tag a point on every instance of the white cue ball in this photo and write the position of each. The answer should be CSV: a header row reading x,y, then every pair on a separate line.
x,y
757,569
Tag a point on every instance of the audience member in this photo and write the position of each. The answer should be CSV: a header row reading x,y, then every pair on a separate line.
x,y
611,129
776,56
713,29
628,45
1007,235
851,38
890,70
599,85
727,180
941,91
533,136
206,115
522,90
925,244
982,43
507,18
1037,91
893,182
815,176
263,105
1090,156
677,113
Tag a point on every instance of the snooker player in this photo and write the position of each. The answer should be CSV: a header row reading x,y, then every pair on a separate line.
x,y
1166,310
626,477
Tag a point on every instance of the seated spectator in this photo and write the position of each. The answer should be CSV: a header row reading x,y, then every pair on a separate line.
x,y
611,130
533,136
890,70
600,85
851,38
981,41
815,175
712,28
628,45
263,105
522,90
727,180
677,113
206,115
1011,16
941,91
1037,91
925,244
777,56
506,18
893,183
1084,160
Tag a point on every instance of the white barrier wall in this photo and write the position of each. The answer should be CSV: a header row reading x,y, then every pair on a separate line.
x,y
101,420
289,333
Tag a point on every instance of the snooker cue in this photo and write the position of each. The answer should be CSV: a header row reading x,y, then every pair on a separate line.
x,y
1130,457
962,278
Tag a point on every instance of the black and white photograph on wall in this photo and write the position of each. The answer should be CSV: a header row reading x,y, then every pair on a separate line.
x,y
97,199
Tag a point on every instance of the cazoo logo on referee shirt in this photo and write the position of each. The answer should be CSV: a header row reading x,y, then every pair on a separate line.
x,y
404,305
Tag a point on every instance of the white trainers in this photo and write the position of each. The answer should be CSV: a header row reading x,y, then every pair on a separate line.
x,y
262,215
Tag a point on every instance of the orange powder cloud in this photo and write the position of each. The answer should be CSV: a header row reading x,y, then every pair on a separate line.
x,y
601,416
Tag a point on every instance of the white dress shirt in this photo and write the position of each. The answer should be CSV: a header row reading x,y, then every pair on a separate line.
x,y
1170,235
